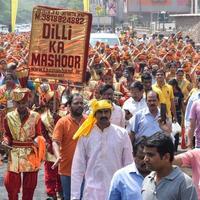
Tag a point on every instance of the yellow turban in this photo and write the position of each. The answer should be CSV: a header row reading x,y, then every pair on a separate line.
x,y
88,124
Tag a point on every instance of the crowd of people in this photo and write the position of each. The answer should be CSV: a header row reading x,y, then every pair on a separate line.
x,y
113,137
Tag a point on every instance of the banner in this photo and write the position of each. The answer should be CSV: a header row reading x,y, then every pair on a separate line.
x,y
183,2
156,2
86,5
59,44
13,10
112,8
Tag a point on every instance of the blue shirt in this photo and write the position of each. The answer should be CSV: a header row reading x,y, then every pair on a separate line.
x,y
144,123
126,184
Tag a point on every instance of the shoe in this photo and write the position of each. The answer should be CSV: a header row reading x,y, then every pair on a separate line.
x,y
51,198
5,158
60,196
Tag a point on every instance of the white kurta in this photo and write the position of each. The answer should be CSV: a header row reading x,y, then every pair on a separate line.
x,y
97,157
118,116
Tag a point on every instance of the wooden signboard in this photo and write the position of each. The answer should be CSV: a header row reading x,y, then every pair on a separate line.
x,y
59,44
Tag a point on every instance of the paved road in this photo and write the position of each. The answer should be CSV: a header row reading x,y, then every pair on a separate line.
x,y
39,192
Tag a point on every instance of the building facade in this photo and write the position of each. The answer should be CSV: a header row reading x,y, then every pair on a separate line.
x,y
148,6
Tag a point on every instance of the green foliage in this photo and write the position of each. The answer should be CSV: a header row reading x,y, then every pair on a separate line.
x,y
25,8
4,12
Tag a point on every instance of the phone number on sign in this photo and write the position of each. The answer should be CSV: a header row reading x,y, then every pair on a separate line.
x,y
58,18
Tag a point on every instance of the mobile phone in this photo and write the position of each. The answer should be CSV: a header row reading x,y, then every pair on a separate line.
x,y
163,112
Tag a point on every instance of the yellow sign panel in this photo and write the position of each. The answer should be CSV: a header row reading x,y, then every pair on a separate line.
x,y
14,6
59,44
86,5
98,9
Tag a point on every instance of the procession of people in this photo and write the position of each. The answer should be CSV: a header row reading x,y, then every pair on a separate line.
x,y
114,136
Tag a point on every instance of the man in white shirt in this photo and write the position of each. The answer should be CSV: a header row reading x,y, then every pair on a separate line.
x,y
148,121
118,115
100,152
136,102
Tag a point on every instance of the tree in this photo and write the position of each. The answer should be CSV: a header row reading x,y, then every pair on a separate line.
x,y
25,8
4,12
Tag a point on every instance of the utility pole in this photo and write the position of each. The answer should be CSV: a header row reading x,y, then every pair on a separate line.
x,y
191,8
151,20
196,6
113,24
98,13
140,11
163,18
10,23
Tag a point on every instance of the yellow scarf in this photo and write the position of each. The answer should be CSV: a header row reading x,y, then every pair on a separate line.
x,y
88,124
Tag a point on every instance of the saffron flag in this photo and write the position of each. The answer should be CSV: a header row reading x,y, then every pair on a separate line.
x,y
86,6
14,6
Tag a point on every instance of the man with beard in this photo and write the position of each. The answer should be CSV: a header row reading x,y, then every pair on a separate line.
x,y
63,144
102,149
147,121
126,183
49,118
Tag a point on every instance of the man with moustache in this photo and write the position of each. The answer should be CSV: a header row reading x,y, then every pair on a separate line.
x,y
49,119
147,121
126,183
102,149
118,115
27,147
63,144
